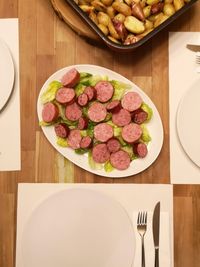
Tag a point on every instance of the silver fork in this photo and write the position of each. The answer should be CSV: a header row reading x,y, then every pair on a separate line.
x,y
142,227
198,61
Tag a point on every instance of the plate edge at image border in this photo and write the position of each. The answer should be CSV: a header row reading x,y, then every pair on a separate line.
x,y
178,131
12,70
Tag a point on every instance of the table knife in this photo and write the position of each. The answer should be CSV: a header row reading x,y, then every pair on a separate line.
x,y
193,47
156,232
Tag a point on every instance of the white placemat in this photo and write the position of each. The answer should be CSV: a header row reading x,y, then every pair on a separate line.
x,y
10,155
182,75
132,197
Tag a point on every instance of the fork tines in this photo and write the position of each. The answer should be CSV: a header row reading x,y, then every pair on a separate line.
x,y
142,218
198,57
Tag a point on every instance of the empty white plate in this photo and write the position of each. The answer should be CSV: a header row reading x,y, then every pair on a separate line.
x,y
188,123
6,73
78,228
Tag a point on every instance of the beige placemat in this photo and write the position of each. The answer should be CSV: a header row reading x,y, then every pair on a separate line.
x,y
132,198
10,154
182,75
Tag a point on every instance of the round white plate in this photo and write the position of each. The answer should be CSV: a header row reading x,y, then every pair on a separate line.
x,y
78,228
188,123
7,74
154,126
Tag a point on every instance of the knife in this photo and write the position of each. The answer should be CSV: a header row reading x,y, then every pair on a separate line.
x,y
156,232
194,48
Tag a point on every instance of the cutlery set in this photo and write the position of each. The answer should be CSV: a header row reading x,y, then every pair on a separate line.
x,y
196,49
142,228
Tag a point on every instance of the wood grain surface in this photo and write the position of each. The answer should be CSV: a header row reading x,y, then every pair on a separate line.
x,y
47,44
67,14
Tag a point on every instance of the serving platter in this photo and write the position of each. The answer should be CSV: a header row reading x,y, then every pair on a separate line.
x,y
154,126
7,74
188,123
78,227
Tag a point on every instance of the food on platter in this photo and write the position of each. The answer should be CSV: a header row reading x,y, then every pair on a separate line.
x,y
97,117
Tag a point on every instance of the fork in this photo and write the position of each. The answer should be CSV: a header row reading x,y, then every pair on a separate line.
x,y
142,227
198,61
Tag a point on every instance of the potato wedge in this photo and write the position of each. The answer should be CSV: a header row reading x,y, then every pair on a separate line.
x,y
178,4
134,25
169,9
103,18
122,8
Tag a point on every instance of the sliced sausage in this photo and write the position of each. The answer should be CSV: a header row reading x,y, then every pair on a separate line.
x,y
86,142
65,95
71,78
82,123
140,149
83,100
121,118
113,145
90,92
50,112
139,116
100,153
61,130
120,160
73,112
97,112
104,91
131,101
74,138
113,106
103,132
131,132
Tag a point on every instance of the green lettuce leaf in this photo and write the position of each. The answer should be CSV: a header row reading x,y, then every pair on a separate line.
x,y
117,131
108,167
81,151
120,89
148,110
84,133
129,150
50,92
145,134
79,89
84,75
62,142
43,123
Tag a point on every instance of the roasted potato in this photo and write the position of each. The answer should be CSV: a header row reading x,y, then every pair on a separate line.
x,y
127,21
122,8
134,25
169,9
103,18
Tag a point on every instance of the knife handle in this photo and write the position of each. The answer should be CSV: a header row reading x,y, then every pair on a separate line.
x,y
156,257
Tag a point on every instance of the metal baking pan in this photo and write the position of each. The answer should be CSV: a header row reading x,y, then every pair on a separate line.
x,y
122,47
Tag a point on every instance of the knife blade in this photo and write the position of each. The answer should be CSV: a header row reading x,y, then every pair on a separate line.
x,y
156,232
194,48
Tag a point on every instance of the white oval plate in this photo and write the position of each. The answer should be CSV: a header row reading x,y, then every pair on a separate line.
x,y
154,126
76,228
7,74
188,123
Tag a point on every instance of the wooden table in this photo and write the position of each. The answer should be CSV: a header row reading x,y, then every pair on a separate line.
x,y
47,44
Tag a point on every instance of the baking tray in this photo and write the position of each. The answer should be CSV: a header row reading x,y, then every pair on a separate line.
x,y
121,47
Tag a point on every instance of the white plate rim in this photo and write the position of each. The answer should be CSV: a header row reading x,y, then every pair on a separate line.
x,y
10,74
105,195
154,125
179,125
